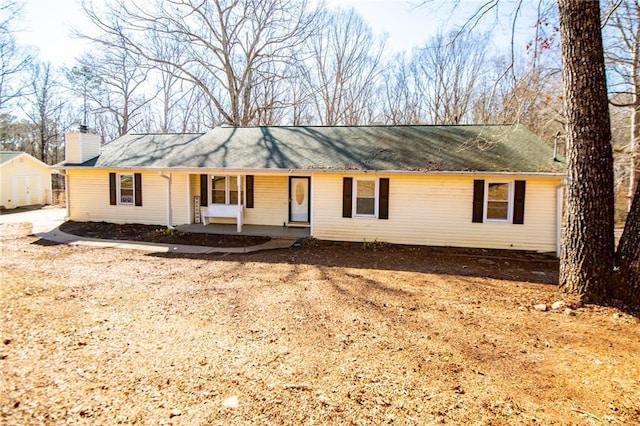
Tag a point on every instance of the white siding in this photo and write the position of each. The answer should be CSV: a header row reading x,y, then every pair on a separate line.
x,y
436,210
423,210
24,174
179,198
72,151
89,199
80,147
270,201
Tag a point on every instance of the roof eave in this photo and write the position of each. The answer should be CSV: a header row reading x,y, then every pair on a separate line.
x,y
212,170
26,155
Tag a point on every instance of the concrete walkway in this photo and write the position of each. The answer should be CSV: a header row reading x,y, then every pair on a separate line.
x,y
62,237
42,219
45,224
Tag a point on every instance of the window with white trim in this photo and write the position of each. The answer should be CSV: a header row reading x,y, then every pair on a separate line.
x,y
126,189
224,190
498,199
365,200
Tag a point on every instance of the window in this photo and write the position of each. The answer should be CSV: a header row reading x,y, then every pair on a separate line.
x,y
499,201
224,190
125,189
365,197
218,189
365,200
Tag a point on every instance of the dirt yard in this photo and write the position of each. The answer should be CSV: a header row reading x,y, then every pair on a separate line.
x,y
321,334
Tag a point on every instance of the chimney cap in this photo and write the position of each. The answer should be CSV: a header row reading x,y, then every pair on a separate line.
x,y
83,128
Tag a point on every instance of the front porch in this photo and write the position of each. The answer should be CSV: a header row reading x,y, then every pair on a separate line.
x,y
250,230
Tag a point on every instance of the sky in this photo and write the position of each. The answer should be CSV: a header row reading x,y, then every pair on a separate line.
x,y
47,24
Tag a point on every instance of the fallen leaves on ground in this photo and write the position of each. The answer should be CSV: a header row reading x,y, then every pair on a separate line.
x,y
328,333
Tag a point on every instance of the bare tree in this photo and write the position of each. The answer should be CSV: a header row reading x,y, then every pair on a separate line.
x,y
172,91
623,58
526,95
449,70
84,83
586,263
494,94
15,135
588,250
122,94
230,47
272,100
400,99
13,58
587,256
197,114
344,68
626,286
301,98
44,109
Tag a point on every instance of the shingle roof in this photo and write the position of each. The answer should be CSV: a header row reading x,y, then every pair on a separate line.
x,y
504,148
8,155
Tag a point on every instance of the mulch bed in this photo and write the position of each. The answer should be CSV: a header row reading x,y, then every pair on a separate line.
x,y
157,234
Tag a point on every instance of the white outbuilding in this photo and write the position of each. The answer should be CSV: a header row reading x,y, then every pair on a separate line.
x,y
24,180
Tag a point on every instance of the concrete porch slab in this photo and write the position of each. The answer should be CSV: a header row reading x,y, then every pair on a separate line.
x,y
250,230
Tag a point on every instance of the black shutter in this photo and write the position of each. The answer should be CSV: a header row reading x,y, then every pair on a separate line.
x,y
249,184
347,190
204,190
137,179
518,202
478,200
383,199
113,197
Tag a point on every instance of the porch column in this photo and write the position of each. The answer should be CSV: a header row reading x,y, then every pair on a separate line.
x,y
67,200
169,217
559,209
169,213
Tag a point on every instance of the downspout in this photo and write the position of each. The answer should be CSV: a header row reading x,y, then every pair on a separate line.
x,y
169,218
559,209
67,201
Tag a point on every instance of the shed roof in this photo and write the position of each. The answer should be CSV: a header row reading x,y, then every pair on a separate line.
x,y
492,148
9,155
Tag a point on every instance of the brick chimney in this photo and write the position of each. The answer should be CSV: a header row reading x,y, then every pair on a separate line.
x,y
81,146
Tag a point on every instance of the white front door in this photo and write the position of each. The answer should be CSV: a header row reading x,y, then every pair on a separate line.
x,y
299,199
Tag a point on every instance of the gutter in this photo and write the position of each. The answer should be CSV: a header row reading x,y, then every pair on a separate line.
x,y
559,215
227,171
67,200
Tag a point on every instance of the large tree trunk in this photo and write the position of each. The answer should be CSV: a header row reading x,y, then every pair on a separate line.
x,y
627,284
586,262
634,145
